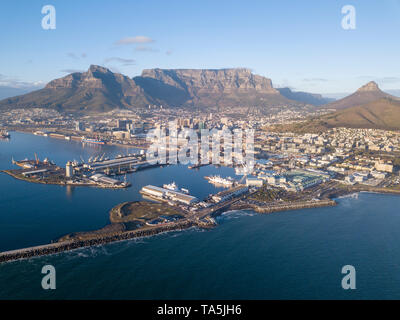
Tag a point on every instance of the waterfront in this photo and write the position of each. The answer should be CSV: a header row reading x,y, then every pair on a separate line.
x,y
296,254
35,214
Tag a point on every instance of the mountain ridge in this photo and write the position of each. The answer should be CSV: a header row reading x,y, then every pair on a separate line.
x,y
212,87
370,108
367,93
315,99
99,90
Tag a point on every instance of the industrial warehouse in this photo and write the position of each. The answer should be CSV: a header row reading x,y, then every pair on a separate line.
x,y
166,194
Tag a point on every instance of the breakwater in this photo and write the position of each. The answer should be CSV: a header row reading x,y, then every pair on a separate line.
x,y
68,245
269,208
64,182
58,247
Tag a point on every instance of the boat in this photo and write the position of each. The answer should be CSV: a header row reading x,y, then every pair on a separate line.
x,y
171,186
185,190
95,141
4,134
219,180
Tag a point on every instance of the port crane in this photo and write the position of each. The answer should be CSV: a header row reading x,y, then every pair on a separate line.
x,y
36,159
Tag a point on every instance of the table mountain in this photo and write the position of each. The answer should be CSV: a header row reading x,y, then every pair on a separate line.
x,y
210,88
99,90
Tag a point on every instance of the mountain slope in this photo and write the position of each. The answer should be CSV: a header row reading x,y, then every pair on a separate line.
x,y
368,107
210,88
99,90
96,90
381,114
305,97
366,94
8,92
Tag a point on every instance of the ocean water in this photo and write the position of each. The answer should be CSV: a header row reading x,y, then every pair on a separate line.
x,y
284,255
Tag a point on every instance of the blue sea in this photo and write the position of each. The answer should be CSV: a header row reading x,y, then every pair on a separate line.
x,y
284,255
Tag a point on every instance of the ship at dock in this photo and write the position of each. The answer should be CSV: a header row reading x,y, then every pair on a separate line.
x,y
4,134
94,141
173,187
221,181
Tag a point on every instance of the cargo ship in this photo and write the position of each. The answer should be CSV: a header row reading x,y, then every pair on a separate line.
x,y
95,141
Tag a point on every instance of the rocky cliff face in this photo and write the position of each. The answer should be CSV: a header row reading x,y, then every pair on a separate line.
x,y
97,78
369,87
99,89
308,98
223,80
96,90
210,88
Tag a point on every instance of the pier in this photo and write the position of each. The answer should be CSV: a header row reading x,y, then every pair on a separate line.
x,y
59,247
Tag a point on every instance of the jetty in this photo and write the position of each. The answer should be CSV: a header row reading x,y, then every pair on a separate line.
x,y
269,208
68,245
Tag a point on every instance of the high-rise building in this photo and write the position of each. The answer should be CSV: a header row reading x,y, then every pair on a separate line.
x,y
122,124
79,126
69,170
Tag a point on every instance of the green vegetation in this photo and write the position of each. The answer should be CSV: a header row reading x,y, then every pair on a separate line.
x,y
268,194
141,211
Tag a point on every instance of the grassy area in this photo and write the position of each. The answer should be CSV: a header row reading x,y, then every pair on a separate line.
x,y
128,216
141,211
268,194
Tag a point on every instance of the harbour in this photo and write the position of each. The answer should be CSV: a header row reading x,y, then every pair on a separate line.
x,y
263,236
81,208
230,194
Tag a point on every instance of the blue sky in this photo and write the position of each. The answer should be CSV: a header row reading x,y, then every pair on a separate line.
x,y
299,44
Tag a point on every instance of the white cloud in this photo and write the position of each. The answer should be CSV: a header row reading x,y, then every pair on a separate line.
x,y
381,80
123,61
16,83
75,56
145,49
72,70
133,40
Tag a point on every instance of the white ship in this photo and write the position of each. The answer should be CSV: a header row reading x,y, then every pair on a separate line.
x,y
4,134
173,187
219,180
